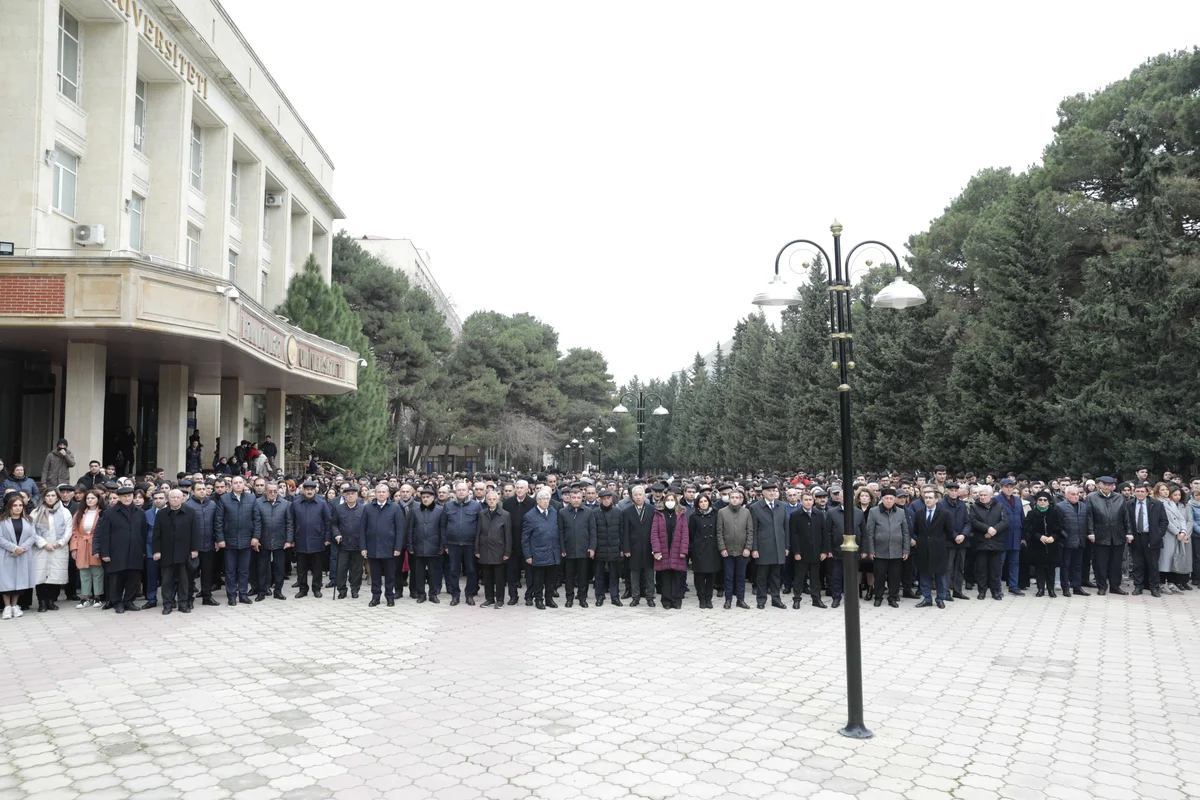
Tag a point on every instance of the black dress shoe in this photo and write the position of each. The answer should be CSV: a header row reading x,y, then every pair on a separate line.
x,y
316,592
1155,593
878,602
762,604
599,602
329,585
512,601
119,608
997,596
837,602
924,604
421,598
909,594
302,593
487,604
1089,584
626,594
583,602
959,596
1118,590
528,601
208,601
729,603
166,610
554,595
616,601
817,603
51,605
1100,592
433,598
354,595
570,602
893,602
982,594
787,590
777,603
341,594
1016,592
258,598
185,609
540,605
41,606
454,600
1050,592
244,599
795,602
374,602
392,602
470,600
232,601
550,602
296,585
1040,593
650,602
741,604
278,595
1137,591
941,604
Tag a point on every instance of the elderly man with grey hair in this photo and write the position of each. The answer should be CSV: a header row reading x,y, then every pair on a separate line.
x,y
541,544
517,506
175,541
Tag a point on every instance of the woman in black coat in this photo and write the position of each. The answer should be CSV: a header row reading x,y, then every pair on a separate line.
x,y
1044,538
706,560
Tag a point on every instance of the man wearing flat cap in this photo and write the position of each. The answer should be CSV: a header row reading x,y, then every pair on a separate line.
x,y
312,527
1109,530
771,544
120,541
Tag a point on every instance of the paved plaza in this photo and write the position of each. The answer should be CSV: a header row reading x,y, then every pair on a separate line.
x,y
1028,698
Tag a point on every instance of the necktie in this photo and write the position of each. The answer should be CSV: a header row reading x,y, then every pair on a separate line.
x,y
929,517
1142,517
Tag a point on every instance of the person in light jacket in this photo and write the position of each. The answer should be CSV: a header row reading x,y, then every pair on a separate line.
x,y
16,562
493,546
57,467
51,534
886,537
735,542
1177,541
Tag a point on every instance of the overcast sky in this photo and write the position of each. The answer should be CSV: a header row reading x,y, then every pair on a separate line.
x,y
626,171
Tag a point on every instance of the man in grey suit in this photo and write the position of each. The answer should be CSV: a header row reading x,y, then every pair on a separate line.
x,y
771,540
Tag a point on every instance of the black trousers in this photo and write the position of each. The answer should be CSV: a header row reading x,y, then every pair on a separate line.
x,y
350,565
309,562
704,585
209,571
493,576
1089,559
1145,564
383,571
72,580
256,558
1108,565
271,564
811,570
176,580
122,586
47,592
672,585
513,569
987,570
766,580
1044,575
576,570
543,580
888,570
417,581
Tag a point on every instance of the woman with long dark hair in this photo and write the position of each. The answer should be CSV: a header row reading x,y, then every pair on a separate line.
x,y
16,562
91,570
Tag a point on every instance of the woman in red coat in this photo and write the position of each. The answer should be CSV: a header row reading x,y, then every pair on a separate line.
x,y
669,543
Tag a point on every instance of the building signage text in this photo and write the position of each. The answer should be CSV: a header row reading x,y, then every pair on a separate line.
x,y
152,32
261,337
321,363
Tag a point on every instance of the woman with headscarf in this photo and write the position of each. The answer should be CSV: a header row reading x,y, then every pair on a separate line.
x,y
51,533
1044,539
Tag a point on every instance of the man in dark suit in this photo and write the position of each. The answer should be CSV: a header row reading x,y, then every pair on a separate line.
x,y
1148,521
810,546
771,540
934,532
174,542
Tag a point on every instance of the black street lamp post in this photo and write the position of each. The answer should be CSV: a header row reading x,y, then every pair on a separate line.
x,y
597,437
639,400
899,294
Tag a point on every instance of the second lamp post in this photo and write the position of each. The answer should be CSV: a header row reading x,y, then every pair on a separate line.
x,y
639,400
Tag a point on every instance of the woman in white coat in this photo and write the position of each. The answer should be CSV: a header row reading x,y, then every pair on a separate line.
x,y
16,562
51,534
1176,555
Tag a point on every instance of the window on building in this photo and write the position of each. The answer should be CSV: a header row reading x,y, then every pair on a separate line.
x,y
262,288
139,116
233,264
197,160
137,206
234,188
193,241
66,173
68,55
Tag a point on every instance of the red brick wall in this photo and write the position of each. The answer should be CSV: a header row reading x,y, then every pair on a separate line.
x,y
33,295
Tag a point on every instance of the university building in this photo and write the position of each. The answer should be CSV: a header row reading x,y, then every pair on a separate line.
x,y
159,193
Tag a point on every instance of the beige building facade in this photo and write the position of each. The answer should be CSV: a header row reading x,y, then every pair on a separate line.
x,y
161,191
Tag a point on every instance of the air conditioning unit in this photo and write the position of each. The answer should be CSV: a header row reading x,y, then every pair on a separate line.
x,y
274,200
89,234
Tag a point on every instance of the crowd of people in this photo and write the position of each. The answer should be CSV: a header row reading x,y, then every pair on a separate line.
x,y
104,540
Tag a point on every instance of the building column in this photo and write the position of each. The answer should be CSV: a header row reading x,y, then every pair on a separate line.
x,y
172,417
232,391
276,419
84,426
